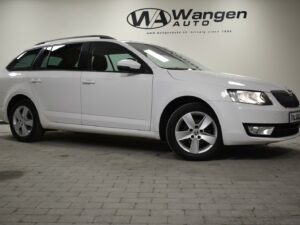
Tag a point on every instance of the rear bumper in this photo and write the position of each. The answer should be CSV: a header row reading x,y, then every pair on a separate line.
x,y
234,116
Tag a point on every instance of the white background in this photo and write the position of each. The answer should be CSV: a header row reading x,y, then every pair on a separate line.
x,y
265,45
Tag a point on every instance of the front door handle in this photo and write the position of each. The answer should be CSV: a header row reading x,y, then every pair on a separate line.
x,y
36,81
88,82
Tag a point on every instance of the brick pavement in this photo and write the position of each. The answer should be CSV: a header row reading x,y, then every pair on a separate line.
x,y
70,178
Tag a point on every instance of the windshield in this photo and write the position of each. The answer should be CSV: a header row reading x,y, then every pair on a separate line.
x,y
166,58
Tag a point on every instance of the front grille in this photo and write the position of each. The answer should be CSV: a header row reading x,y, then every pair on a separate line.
x,y
288,100
280,130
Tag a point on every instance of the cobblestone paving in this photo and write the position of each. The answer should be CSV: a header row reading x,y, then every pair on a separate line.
x,y
71,178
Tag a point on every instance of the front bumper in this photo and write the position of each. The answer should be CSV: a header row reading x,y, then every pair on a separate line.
x,y
277,130
234,116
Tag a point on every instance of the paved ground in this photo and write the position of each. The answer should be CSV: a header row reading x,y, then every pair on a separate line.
x,y
71,178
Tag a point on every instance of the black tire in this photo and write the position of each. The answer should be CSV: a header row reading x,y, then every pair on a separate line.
x,y
175,119
37,130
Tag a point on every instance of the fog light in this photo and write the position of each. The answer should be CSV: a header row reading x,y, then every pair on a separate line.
x,y
257,130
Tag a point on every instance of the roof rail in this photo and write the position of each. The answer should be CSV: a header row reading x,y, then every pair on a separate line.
x,y
85,36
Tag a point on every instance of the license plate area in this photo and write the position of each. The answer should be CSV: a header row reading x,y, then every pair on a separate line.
x,y
294,117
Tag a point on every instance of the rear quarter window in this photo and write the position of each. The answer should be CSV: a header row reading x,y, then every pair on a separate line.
x,y
24,61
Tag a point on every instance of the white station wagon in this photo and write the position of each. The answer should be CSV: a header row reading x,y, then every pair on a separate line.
x,y
98,84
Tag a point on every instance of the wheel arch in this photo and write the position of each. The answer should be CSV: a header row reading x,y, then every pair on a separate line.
x,y
15,99
172,106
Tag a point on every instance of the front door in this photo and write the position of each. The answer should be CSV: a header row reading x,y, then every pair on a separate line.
x,y
111,98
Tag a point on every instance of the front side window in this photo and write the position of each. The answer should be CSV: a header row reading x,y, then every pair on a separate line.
x,y
104,57
60,57
24,61
166,58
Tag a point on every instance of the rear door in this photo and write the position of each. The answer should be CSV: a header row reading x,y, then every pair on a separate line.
x,y
55,83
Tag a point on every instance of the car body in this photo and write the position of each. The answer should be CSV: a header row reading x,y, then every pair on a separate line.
x,y
116,101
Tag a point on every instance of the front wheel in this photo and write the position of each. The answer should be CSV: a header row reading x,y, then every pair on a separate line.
x,y
24,122
193,132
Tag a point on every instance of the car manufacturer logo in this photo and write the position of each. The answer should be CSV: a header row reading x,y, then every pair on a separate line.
x,y
149,18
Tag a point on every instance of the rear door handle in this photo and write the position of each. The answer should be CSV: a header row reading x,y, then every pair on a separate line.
x,y
36,81
88,82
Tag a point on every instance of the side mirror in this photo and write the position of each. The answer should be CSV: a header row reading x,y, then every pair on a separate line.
x,y
129,66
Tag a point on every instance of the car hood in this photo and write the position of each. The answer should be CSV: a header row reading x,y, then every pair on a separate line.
x,y
223,79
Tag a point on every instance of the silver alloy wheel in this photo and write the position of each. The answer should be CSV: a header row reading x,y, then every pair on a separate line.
x,y
196,132
23,121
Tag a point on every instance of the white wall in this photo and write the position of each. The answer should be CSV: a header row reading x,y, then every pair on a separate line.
x,y
265,45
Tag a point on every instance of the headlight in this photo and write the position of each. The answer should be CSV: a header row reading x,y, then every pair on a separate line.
x,y
249,97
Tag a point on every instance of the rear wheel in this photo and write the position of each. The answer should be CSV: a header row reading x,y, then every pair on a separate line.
x,y
193,132
24,121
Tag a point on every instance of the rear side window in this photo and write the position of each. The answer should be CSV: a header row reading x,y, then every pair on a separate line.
x,y
24,61
64,57
60,57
